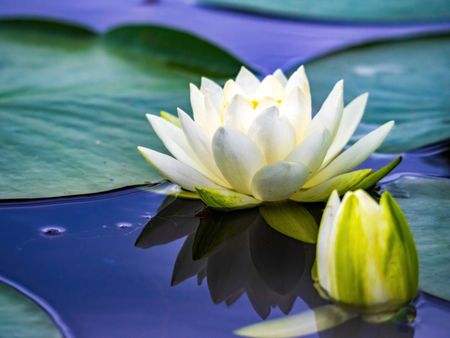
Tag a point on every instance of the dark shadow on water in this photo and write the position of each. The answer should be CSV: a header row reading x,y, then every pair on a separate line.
x,y
238,254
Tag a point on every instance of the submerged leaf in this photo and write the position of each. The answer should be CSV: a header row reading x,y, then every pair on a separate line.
x,y
291,219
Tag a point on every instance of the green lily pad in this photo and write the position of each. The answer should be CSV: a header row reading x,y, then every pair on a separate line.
x,y
21,317
73,103
425,202
407,80
347,10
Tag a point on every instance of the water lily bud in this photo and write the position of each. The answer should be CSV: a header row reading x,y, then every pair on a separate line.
x,y
256,141
366,255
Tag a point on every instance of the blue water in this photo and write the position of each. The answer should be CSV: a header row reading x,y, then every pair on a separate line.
x,y
96,264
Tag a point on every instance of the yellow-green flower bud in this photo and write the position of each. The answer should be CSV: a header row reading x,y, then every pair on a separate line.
x,y
366,255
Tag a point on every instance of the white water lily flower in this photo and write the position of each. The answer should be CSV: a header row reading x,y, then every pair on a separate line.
x,y
253,141
366,255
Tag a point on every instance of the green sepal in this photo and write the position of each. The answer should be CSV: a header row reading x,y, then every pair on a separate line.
x,y
190,195
407,252
341,183
375,176
226,200
291,219
170,118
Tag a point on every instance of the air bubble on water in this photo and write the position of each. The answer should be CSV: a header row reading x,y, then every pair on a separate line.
x,y
147,215
52,231
124,225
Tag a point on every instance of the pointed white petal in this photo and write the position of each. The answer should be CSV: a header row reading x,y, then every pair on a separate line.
x,y
351,117
278,181
298,79
212,90
176,171
201,145
230,89
324,240
270,87
247,81
353,156
330,114
174,140
297,108
239,114
212,93
312,150
273,134
208,120
237,157
279,75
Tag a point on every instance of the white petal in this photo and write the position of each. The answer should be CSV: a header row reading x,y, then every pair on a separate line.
x,y
247,81
351,117
230,89
239,114
312,150
353,156
176,171
324,240
330,114
270,87
208,120
298,79
278,181
201,145
174,140
237,157
273,134
279,75
297,108
212,90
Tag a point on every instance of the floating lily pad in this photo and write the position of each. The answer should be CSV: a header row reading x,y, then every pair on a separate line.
x,y
21,317
73,103
347,10
426,202
407,80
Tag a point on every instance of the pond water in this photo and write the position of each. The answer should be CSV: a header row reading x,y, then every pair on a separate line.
x,y
103,273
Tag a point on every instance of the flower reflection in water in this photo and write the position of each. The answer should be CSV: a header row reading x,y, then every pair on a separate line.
x,y
238,253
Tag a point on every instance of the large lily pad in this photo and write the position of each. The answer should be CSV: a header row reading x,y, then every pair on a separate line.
x,y
348,10
21,317
407,80
73,103
425,202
